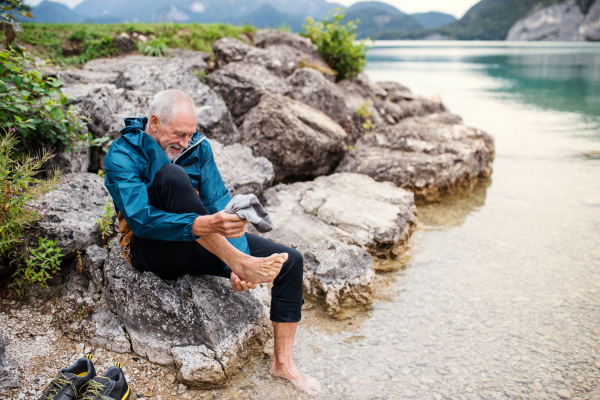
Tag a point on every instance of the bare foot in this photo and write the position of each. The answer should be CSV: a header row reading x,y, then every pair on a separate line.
x,y
261,270
302,382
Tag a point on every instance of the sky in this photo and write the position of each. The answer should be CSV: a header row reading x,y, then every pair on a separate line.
x,y
453,7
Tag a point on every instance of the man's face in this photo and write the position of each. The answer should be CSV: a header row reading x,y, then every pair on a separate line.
x,y
175,137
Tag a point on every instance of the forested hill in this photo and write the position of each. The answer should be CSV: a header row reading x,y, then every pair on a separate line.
x,y
486,20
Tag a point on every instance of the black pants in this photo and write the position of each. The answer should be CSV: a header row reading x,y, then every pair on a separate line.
x,y
172,191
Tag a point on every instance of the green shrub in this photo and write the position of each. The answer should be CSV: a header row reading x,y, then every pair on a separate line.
x,y
364,112
20,192
41,264
106,220
31,102
336,43
154,48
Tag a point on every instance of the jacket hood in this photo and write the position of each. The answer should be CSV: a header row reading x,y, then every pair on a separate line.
x,y
134,125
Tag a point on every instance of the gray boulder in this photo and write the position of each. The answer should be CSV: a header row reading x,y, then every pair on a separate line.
x,y
107,109
196,60
72,212
242,85
280,59
213,117
297,139
242,173
93,264
265,38
105,331
340,274
429,156
351,208
196,323
118,64
310,87
228,50
9,373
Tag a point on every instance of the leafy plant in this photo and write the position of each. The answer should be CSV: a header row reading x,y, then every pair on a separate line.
x,y
364,112
201,75
8,24
19,193
336,43
154,48
106,220
31,102
41,264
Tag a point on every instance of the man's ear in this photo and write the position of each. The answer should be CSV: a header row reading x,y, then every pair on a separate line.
x,y
153,123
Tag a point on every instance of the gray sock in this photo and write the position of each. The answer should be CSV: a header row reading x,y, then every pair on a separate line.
x,y
248,207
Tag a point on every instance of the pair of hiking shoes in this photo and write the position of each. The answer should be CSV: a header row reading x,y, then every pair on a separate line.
x,y
79,382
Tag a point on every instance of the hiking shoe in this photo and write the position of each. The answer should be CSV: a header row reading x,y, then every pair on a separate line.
x,y
110,386
70,382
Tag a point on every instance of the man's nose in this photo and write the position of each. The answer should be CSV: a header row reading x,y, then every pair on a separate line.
x,y
184,142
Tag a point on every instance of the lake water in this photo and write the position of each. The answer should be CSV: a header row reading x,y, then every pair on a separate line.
x,y
499,294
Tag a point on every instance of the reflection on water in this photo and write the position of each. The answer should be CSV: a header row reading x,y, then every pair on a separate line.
x,y
452,210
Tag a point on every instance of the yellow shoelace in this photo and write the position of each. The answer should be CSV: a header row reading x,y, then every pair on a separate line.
x,y
93,391
57,385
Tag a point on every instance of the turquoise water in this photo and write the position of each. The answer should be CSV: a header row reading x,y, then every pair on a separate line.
x,y
499,293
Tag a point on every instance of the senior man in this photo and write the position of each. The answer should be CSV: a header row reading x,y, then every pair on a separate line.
x,y
164,182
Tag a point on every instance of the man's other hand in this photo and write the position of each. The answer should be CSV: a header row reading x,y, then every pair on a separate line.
x,y
239,285
228,225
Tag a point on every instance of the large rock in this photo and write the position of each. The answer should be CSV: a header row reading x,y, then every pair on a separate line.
x,y
9,373
265,38
242,173
196,60
73,212
105,331
297,139
93,264
430,156
281,59
559,22
242,85
351,208
196,323
107,109
312,88
340,274
213,117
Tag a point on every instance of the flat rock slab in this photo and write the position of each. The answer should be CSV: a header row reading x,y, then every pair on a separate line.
x,y
73,212
340,274
242,173
351,208
430,156
105,331
9,373
265,38
296,138
197,323
213,117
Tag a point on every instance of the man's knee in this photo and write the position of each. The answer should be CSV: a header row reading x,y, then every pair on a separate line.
x,y
172,175
295,262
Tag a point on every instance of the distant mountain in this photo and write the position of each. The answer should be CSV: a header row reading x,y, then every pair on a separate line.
x,y
373,20
378,5
434,19
268,16
48,11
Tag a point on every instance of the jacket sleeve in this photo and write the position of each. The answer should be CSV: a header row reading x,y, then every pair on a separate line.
x,y
131,198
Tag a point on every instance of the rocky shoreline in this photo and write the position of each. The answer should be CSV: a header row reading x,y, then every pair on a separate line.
x,y
339,189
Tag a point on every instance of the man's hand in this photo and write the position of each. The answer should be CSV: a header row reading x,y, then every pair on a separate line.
x,y
228,225
239,285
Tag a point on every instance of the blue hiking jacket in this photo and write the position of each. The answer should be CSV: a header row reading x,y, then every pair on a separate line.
x,y
130,166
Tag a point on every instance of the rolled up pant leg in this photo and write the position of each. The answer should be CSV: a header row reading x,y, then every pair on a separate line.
x,y
286,295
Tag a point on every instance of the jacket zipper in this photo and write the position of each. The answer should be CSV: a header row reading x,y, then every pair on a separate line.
x,y
188,149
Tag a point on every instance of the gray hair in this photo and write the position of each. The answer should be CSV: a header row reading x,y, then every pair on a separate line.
x,y
166,105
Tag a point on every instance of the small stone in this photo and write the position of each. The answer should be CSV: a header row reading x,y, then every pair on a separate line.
x,y
437,396
181,388
564,393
